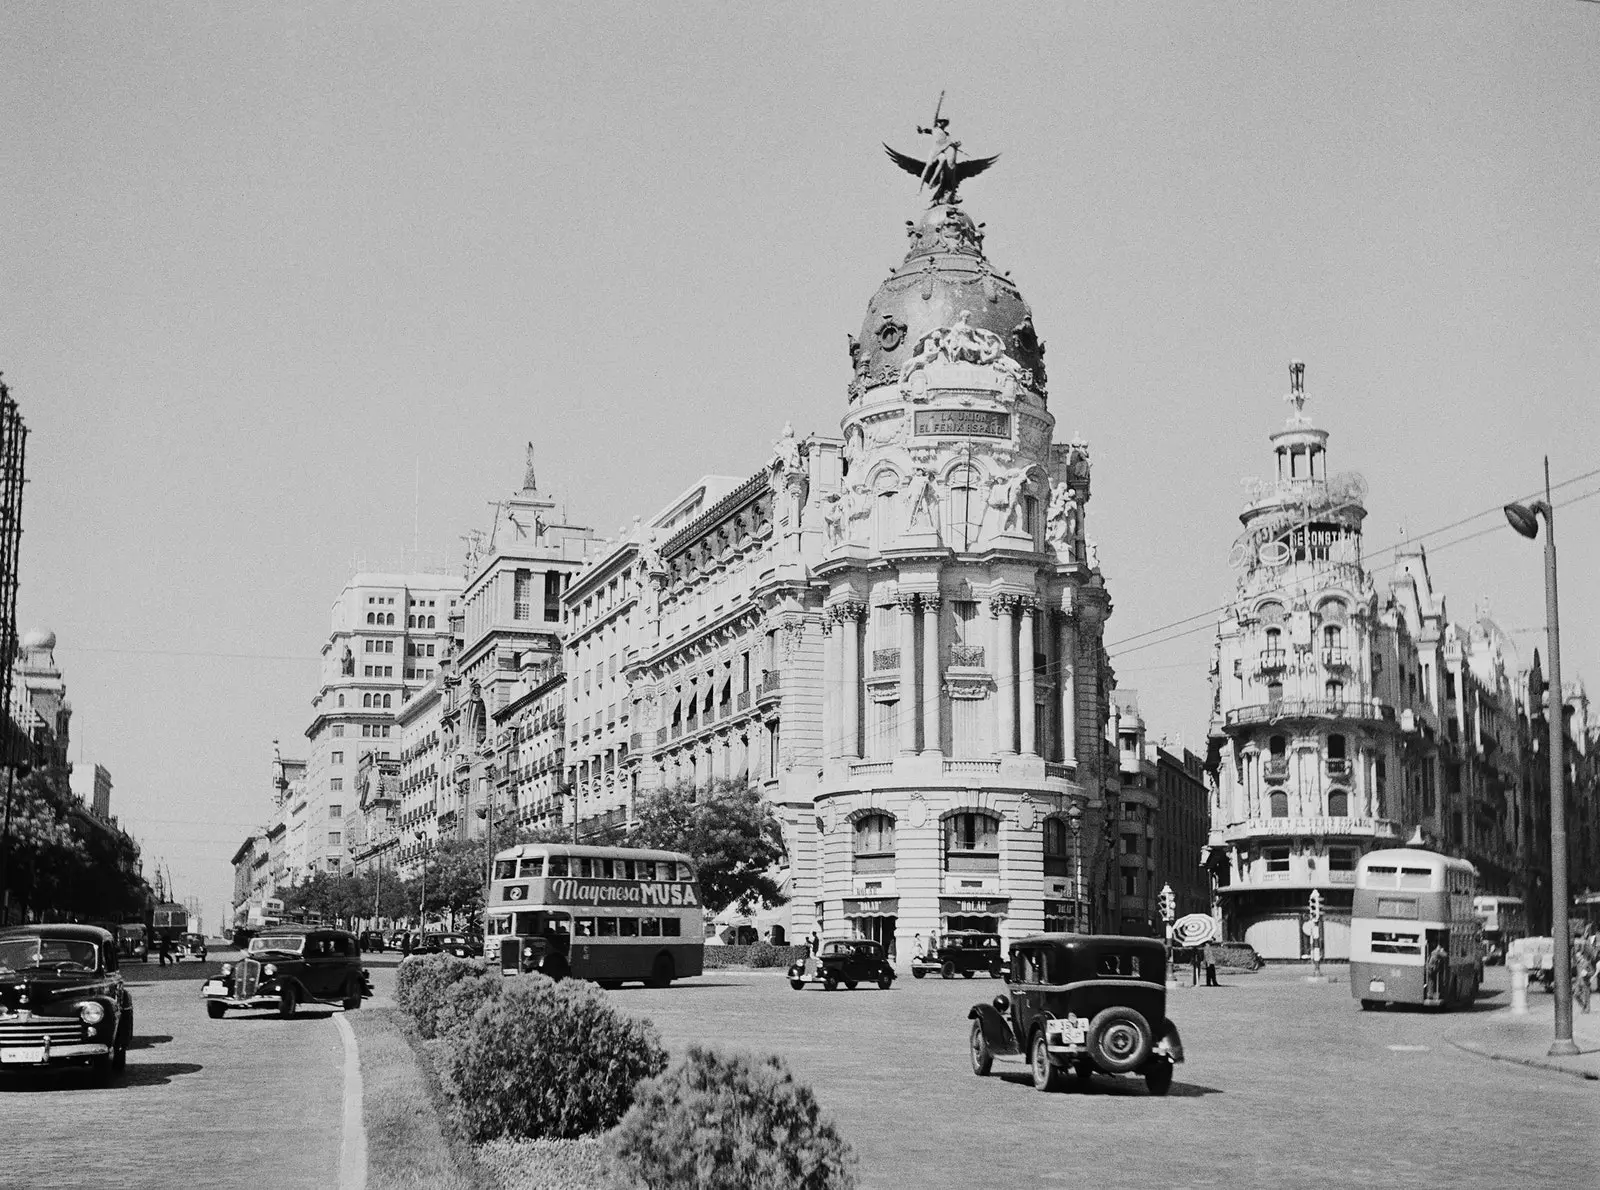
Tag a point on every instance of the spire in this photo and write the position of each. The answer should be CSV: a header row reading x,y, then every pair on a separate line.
x,y
530,482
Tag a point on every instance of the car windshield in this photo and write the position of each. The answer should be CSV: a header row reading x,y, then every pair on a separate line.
x,y
278,944
24,954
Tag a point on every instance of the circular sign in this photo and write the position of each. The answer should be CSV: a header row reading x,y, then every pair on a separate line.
x,y
1025,814
1238,555
1274,553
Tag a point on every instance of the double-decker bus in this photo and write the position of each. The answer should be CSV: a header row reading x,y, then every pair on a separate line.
x,y
1504,920
603,913
1409,904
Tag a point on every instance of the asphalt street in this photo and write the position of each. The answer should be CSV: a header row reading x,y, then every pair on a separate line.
x,y
249,1100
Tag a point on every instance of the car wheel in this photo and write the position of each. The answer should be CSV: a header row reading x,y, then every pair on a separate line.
x,y
661,972
994,972
829,983
288,1002
1158,1078
850,985
1371,1005
798,985
885,980
1045,1076
947,971
1119,1039
352,996
982,1055
968,973
917,973
215,1009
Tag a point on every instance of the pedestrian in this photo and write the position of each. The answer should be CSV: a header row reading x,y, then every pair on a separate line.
x,y
1194,966
813,948
917,951
1434,972
164,951
1211,969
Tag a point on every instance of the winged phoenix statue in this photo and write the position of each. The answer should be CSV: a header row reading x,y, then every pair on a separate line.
x,y
942,173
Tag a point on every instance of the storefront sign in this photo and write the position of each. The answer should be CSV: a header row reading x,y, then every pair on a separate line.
x,y
1058,909
979,906
874,907
565,891
962,423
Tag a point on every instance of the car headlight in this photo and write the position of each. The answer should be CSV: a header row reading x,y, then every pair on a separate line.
x,y
270,969
92,1012
227,969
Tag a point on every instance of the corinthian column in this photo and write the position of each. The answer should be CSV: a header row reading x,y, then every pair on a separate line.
x,y
1025,675
832,689
1003,609
906,712
850,634
1066,662
930,673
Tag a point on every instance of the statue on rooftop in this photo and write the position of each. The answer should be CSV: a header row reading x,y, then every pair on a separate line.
x,y
942,172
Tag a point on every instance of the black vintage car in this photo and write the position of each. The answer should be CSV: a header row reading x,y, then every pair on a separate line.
x,y
1081,1003
62,999
846,962
373,940
289,966
964,953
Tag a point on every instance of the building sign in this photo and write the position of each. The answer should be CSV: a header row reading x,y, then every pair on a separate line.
x,y
565,891
962,423
1058,909
975,906
873,907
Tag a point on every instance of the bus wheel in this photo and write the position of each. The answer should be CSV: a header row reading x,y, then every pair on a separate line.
x,y
1371,1005
662,972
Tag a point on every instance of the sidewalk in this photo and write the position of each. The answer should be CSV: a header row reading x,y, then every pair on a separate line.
x,y
1525,1040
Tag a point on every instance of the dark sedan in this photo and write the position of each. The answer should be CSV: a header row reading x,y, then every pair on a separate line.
x,y
849,962
62,1000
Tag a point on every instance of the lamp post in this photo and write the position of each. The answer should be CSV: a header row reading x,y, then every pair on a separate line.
x,y
1524,519
422,899
1074,815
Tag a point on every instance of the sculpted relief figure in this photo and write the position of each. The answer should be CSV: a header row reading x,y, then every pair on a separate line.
x,y
1005,495
960,342
1061,521
835,514
922,499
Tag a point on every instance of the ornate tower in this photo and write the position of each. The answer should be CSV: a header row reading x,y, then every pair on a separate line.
x,y
964,767
1301,746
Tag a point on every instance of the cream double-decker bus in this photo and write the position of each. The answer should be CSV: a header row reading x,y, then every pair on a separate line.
x,y
1414,938
603,913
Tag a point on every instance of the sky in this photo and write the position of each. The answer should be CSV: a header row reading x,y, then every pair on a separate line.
x,y
285,288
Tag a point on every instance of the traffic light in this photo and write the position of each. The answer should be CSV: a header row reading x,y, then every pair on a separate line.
x,y
1316,904
1169,902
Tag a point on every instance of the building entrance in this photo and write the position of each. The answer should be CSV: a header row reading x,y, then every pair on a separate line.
x,y
876,929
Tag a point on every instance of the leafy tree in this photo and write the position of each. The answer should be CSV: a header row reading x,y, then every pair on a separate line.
x,y
730,831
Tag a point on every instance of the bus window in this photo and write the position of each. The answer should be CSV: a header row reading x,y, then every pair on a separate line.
x,y
583,927
1418,878
669,927
650,927
505,869
532,867
1382,877
608,927
1397,907
685,872
605,869
627,927
1394,943
627,869
557,866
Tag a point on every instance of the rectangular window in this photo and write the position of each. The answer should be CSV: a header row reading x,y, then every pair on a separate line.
x,y
336,784
552,595
521,595
627,927
1277,859
670,927
650,927
366,671
336,758
1341,859
338,729
388,646
335,810
334,838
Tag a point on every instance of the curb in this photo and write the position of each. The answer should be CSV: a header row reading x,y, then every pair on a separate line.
x,y
1533,1063
353,1145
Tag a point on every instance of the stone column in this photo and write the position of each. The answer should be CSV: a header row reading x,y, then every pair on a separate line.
x,y
850,632
906,712
832,689
930,673
1003,609
1066,663
1025,678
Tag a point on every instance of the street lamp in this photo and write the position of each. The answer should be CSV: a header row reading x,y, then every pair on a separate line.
x,y
1524,519
422,899
1074,814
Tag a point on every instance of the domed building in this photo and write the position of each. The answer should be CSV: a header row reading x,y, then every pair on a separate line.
x,y
964,768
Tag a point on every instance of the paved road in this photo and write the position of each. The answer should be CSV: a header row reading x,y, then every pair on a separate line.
x,y
249,1100
1287,1084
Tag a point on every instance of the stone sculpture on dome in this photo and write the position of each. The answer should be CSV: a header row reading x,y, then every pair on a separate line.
x,y
922,496
943,172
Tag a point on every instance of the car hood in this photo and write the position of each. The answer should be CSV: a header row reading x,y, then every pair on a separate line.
x,y
40,992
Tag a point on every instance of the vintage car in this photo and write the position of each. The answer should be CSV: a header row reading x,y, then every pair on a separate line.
x,y
288,966
846,962
459,945
62,999
192,946
133,942
963,952
1084,1003
373,940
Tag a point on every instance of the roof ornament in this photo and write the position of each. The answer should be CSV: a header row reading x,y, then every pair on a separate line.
x,y
529,482
1296,395
942,173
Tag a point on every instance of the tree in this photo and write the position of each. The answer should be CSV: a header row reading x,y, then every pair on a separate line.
x,y
728,829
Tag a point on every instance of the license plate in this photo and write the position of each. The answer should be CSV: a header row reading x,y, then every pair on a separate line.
x,y
213,988
1073,1036
1376,986
17,1054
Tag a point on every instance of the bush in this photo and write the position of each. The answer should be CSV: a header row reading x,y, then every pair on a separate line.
x,y
718,957
421,982
462,999
763,954
545,1059
728,1122
1236,956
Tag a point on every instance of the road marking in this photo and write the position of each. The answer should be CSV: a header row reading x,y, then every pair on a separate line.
x,y
1409,1049
353,1146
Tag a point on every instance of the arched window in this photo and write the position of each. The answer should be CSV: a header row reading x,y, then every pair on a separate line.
x,y
366,700
1280,803
430,621
341,700
386,698
883,510
1338,804
972,843
372,618
389,619
411,621
874,835
963,507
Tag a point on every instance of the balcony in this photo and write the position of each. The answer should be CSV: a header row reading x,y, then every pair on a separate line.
x,y
970,656
1275,768
1280,828
885,659
1271,661
869,768
1338,766
743,702
771,685
1336,658
969,767
677,730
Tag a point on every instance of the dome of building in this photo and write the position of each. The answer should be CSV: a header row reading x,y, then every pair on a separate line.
x,y
39,638
945,273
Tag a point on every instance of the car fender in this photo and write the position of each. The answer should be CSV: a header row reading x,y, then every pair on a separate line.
x,y
996,1029
1168,1044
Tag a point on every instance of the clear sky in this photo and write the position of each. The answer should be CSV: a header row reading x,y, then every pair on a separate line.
x,y
284,286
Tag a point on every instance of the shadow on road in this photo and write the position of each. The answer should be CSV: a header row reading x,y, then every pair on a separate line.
x,y
271,1014
81,1078
1117,1088
146,1041
156,1074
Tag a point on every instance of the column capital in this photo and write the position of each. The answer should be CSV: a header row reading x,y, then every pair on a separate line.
x,y
907,601
848,609
1003,603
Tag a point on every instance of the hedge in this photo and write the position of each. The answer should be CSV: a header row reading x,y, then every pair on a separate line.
x,y
740,956
421,983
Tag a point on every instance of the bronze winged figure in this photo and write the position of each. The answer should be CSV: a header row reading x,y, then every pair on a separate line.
x,y
942,173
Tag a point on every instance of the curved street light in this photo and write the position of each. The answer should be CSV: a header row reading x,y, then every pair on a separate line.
x,y
1524,518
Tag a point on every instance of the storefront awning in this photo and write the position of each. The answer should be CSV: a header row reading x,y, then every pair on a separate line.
x,y
872,907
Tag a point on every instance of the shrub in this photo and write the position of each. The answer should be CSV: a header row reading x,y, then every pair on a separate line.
x,y
421,981
462,998
763,954
545,1059
728,1122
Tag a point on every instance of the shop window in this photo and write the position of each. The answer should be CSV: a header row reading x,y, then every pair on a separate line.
x,y
1341,859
